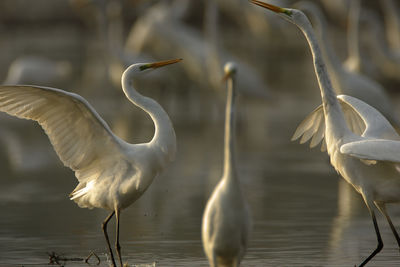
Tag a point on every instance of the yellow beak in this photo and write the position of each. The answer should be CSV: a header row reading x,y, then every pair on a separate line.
x,y
271,7
163,63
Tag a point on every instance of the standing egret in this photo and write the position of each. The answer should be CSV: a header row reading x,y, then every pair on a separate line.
x,y
386,59
38,70
112,173
391,16
367,161
346,81
226,219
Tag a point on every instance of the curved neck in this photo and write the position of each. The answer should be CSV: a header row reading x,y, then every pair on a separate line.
x,y
230,130
164,139
334,117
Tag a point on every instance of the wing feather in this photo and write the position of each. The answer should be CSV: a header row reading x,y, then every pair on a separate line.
x,y
80,137
313,126
373,149
319,134
308,123
371,121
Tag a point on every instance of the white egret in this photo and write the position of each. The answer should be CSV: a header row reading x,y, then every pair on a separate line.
x,y
353,61
112,173
344,80
367,161
357,61
159,26
386,59
38,70
391,16
226,219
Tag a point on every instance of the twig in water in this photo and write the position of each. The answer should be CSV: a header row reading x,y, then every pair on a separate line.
x,y
54,258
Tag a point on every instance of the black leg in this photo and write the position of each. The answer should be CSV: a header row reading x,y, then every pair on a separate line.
x,y
117,246
382,208
104,227
378,235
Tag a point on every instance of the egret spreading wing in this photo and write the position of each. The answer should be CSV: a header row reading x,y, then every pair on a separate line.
x,y
375,124
313,126
78,134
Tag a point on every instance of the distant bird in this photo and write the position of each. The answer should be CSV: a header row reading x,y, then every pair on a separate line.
x,y
391,16
353,62
386,59
112,173
226,219
367,161
38,70
344,80
159,25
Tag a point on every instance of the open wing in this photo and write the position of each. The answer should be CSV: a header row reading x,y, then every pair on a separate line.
x,y
373,149
313,126
82,140
376,125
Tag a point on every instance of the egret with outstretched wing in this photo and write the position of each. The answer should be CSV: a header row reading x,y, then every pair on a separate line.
x,y
112,173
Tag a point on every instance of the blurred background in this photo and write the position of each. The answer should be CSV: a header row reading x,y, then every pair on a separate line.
x,y
303,213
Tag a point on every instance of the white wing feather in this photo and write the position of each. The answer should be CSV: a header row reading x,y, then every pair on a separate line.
x,y
376,125
313,126
373,149
81,138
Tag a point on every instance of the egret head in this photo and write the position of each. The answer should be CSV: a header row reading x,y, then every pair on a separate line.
x,y
138,68
292,15
230,70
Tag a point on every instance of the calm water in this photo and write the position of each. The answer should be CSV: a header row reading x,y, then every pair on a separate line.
x,y
293,193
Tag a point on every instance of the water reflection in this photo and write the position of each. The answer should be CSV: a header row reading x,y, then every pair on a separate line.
x,y
304,214
297,218
301,216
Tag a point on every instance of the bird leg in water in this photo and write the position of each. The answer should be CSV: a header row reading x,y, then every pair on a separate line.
x,y
104,227
117,246
382,208
378,235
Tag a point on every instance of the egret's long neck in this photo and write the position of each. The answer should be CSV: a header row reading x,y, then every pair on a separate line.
x,y
230,130
164,139
392,22
332,60
353,31
334,117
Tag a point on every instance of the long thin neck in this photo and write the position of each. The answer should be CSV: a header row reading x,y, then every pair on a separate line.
x,y
230,130
392,22
164,137
353,30
333,62
334,117
376,37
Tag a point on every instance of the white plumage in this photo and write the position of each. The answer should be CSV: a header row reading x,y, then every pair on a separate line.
x,y
226,219
367,157
112,173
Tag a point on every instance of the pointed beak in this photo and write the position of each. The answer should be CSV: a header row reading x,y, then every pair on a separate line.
x,y
163,63
271,7
227,75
